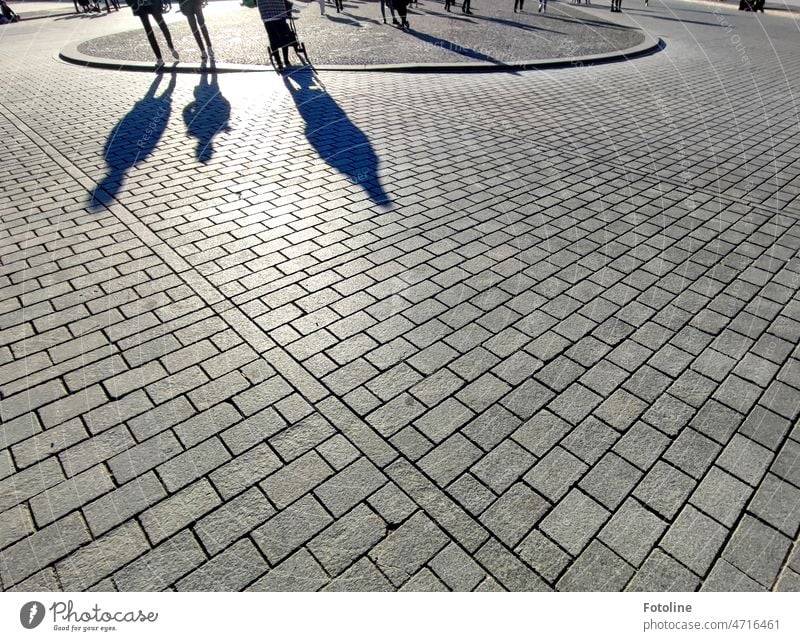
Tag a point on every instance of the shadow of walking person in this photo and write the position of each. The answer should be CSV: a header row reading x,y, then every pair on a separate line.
x,y
133,139
207,115
338,141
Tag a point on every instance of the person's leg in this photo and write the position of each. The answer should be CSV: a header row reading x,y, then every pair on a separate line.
x,y
151,37
165,30
192,20
201,21
274,43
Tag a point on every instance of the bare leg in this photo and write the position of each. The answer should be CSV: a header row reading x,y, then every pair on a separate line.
x,y
201,20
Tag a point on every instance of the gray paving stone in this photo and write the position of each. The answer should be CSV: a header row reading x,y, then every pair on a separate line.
x,y
490,427
444,419
575,403
661,573
765,427
541,432
787,463
449,459
406,549
574,521
641,445
457,523
694,539
788,582
590,440
757,550
145,456
726,578
230,570
669,415
21,486
610,480
15,524
192,464
505,464
512,573
338,451
632,532
392,504
290,482
178,510
620,410
597,569
299,573
745,459
543,555
41,446
301,437
778,503
245,470
692,452
424,581
232,520
555,474
664,489
337,547
514,514
457,569
350,486
363,576
101,557
291,528
721,496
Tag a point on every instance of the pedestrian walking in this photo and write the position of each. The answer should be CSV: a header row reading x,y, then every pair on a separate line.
x,y
448,4
144,9
390,4
616,6
7,14
542,6
193,10
518,5
401,6
274,14
339,6
322,7
465,7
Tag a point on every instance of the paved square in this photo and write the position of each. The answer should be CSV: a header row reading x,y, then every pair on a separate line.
x,y
531,330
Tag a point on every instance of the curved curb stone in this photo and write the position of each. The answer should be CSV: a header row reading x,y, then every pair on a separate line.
x,y
650,45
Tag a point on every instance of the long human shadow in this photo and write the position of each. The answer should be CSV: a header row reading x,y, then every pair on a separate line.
x,y
207,115
337,140
133,139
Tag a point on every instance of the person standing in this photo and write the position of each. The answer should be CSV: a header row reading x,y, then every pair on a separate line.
x,y
616,6
448,4
144,9
542,6
322,7
339,6
193,10
401,6
390,4
465,7
518,5
274,14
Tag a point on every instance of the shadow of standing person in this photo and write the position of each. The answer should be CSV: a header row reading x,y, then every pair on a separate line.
x,y
334,137
207,115
133,139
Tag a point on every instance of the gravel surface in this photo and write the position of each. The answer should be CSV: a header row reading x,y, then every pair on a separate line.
x,y
357,36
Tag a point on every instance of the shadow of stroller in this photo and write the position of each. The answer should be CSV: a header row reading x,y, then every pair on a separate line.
x,y
207,115
133,139
338,141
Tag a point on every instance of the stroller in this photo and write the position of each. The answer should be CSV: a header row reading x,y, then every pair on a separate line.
x,y
291,38
7,14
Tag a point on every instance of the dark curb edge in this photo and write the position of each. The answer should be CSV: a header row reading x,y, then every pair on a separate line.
x,y
650,45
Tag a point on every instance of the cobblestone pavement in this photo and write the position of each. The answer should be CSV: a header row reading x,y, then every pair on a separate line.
x,y
493,34
530,331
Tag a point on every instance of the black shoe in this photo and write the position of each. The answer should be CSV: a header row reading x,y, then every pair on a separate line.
x,y
395,22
